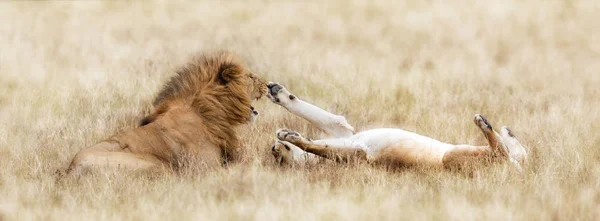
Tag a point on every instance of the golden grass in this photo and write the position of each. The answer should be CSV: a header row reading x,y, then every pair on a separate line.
x,y
74,73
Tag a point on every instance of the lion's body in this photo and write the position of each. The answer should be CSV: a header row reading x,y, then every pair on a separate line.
x,y
193,120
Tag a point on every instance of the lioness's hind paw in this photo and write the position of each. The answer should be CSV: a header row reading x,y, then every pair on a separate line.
x,y
505,131
482,122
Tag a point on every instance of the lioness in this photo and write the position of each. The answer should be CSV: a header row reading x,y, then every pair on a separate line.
x,y
391,147
193,120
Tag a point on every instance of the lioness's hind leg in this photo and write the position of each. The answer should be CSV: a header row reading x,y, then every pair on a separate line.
x,y
335,149
494,139
465,156
110,155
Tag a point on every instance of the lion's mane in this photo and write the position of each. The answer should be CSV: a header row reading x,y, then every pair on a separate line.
x,y
214,88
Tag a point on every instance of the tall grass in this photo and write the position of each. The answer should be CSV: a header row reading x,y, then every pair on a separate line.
x,y
74,73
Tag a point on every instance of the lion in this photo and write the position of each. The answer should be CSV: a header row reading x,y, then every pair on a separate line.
x,y
193,120
391,147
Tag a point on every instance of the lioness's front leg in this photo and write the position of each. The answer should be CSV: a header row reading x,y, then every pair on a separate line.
x,y
340,150
334,125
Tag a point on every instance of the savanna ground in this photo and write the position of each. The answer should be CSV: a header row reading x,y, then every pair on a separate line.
x,y
74,73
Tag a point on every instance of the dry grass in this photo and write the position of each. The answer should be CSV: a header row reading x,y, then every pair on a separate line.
x,y
73,73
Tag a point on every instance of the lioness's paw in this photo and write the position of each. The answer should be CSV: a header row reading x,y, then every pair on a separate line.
x,y
289,136
282,152
506,132
278,94
482,123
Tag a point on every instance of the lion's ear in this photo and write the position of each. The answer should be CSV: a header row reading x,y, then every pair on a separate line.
x,y
228,72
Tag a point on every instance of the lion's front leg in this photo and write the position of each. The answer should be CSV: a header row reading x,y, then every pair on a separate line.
x,y
341,150
334,125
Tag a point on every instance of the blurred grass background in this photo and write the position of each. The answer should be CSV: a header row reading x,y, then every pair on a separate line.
x,y
74,73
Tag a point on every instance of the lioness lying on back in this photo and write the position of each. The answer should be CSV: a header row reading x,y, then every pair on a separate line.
x,y
391,147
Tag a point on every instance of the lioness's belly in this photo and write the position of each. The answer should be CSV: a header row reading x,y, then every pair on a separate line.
x,y
402,147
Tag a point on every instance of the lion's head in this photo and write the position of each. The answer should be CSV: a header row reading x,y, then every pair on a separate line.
x,y
217,86
219,89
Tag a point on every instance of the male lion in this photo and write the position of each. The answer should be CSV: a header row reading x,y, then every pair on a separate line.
x,y
193,120
391,147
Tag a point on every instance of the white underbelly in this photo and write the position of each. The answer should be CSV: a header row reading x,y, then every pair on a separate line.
x,y
401,145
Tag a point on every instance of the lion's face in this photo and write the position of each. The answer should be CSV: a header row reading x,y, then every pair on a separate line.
x,y
257,87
